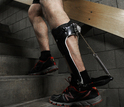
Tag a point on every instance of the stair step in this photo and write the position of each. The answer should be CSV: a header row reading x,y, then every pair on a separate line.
x,y
44,102
19,89
12,41
4,28
3,33
7,49
15,65
6,37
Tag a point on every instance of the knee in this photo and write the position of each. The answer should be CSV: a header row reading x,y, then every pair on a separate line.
x,y
41,1
34,11
31,15
34,17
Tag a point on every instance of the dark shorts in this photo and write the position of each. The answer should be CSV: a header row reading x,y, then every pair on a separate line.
x,y
36,1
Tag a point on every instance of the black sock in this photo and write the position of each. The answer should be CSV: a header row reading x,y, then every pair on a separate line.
x,y
86,80
73,80
85,77
45,55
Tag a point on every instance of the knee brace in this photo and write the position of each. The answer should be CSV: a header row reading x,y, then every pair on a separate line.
x,y
61,34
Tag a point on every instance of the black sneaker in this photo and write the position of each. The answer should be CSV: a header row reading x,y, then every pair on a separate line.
x,y
72,96
44,67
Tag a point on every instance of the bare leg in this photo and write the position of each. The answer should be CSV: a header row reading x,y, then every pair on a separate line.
x,y
55,15
76,92
40,27
46,63
72,43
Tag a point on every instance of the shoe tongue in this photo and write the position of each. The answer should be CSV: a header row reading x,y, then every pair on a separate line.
x,y
73,81
79,87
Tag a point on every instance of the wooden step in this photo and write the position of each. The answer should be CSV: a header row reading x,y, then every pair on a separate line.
x,y
28,2
103,17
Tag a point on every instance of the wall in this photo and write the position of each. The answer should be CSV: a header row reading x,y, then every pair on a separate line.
x,y
110,48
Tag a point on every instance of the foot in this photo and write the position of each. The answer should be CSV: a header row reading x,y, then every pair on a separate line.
x,y
72,96
44,67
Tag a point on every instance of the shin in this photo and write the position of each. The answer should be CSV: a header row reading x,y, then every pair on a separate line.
x,y
61,35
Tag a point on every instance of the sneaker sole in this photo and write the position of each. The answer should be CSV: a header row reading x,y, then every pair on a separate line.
x,y
47,70
84,103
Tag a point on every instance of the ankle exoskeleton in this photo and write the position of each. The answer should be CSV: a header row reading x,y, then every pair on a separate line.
x,y
61,34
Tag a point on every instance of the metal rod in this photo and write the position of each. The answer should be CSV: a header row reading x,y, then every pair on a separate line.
x,y
96,56
101,63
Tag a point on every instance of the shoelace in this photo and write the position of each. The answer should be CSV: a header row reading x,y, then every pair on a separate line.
x,y
69,81
44,61
37,63
70,86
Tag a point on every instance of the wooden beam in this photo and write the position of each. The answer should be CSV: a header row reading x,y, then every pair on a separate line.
x,y
104,17
85,29
28,2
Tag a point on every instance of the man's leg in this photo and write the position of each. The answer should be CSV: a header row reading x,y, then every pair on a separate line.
x,y
56,16
72,43
40,27
46,62
67,41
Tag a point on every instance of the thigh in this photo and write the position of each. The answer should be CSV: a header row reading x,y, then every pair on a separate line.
x,y
51,8
54,12
51,3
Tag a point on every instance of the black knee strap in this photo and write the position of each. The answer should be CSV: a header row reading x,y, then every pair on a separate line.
x,y
60,34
